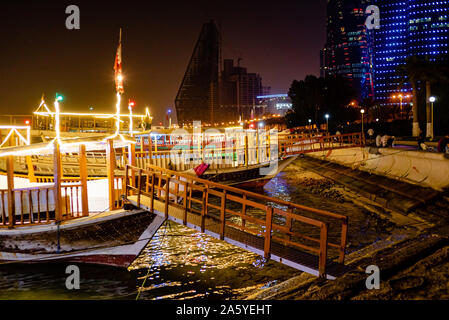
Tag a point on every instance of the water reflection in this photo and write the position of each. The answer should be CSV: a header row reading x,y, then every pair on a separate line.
x,y
180,263
198,266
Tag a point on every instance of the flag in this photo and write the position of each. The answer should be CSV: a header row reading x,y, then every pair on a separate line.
x,y
118,68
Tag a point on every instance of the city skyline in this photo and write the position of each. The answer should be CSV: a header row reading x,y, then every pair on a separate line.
x,y
42,56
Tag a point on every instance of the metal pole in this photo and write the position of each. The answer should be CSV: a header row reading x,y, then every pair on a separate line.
x,y
431,123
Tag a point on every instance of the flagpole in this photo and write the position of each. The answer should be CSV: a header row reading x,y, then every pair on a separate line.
x,y
117,89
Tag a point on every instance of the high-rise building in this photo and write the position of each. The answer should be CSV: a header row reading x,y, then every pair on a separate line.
x,y
275,103
407,28
197,97
349,46
214,94
239,91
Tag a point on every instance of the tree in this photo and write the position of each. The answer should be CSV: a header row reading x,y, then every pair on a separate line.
x,y
313,97
411,73
417,70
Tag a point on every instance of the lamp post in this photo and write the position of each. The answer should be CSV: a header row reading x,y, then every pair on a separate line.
x,y
327,122
431,100
310,126
362,111
401,99
169,115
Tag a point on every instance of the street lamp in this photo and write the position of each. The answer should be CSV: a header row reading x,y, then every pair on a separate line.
x,y
169,114
362,111
401,99
432,99
327,122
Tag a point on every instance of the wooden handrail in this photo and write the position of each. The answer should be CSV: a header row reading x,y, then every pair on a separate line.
x,y
171,188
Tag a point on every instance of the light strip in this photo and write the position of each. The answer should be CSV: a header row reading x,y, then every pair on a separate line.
x,y
98,115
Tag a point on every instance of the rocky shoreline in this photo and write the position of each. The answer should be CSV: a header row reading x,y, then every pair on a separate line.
x,y
413,260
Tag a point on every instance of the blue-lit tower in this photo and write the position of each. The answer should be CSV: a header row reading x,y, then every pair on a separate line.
x,y
428,27
407,28
349,45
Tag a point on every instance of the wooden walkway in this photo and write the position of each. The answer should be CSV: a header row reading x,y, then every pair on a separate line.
x,y
285,232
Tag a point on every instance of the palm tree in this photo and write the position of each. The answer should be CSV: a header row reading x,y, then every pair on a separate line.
x,y
411,73
432,72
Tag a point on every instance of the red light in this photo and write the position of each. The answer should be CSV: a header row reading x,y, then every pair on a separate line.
x,y
132,103
27,122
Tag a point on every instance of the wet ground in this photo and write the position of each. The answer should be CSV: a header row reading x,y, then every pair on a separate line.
x,y
183,264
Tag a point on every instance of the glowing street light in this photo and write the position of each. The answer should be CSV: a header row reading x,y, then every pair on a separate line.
x,y
169,115
401,98
432,99
59,97
362,111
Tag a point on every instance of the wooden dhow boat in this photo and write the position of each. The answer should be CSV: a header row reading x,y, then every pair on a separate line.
x,y
55,221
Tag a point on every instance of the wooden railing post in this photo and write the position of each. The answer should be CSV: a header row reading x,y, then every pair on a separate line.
x,y
204,210
126,182
150,148
11,197
268,228
152,191
110,164
167,196
344,239
57,176
83,178
132,161
30,167
223,215
246,151
323,251
138,188
186,203
257,147
244,211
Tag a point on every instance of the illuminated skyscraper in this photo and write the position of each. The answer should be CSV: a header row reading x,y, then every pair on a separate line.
x,y
197,98
349,45
407,28
212,93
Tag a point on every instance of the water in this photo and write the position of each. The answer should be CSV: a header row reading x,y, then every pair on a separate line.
x,y
180,263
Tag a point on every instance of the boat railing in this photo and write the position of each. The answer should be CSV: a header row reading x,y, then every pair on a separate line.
x,y
272,219
319,143
36,205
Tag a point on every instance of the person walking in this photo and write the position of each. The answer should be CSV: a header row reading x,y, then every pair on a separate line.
x,y
443,144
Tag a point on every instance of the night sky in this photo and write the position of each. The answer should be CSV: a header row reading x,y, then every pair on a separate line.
x,y
280,40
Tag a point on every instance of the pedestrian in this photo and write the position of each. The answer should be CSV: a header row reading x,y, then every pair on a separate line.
x,y
370,133
384,140
390,141
378,141
443,144
421,140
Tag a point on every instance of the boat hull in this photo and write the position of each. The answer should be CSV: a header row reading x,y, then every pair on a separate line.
x,y
113,239
252,177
